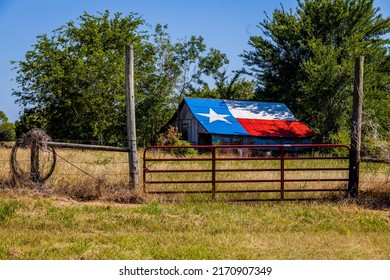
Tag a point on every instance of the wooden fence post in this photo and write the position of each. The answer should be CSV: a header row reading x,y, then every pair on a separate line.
x,y
130,118
356,133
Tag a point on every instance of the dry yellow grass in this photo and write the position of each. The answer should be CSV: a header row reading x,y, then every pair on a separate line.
x,y
82,175
51,224
89,175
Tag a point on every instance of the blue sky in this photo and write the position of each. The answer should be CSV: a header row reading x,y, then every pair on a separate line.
x,y
224,24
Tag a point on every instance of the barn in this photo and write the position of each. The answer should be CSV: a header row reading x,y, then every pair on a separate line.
x,y
214,121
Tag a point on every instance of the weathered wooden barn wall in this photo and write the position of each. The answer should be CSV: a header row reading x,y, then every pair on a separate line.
x,y
188,125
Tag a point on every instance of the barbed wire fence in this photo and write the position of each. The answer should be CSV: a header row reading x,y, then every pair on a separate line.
x,y
61,171
111,162
94,174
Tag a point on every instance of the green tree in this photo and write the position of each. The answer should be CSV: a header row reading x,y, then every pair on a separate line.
x,y
7,130
305,58
30,119
74,79
228,88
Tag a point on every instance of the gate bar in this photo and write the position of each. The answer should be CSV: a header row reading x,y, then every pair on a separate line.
x,y
282,150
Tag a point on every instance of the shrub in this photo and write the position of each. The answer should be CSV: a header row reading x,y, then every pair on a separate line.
x,y
184,151
171,137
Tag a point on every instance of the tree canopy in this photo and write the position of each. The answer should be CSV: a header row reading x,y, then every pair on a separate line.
x,y
305,59
72,82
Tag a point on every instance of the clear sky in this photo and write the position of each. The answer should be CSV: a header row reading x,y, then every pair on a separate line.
x,y
225,25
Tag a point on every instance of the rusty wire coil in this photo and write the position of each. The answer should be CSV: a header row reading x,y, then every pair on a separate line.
x,y
35,137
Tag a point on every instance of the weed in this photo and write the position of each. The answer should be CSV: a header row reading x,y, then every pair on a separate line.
x,y
153,208
64,216
7,211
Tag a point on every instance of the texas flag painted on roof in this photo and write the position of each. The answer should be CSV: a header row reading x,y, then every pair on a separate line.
x,y
263,119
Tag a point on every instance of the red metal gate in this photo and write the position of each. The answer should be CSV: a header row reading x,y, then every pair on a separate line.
x,y
280,170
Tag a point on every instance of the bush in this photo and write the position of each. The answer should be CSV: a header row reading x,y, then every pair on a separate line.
x,y
184,151
171,137
376,148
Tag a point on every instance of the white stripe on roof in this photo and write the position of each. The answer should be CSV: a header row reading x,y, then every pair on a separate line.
x,y
259,110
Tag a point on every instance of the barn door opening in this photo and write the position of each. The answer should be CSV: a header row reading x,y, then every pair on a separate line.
x,y
204,139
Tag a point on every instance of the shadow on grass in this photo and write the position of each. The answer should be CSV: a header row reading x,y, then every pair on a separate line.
x,y
376,199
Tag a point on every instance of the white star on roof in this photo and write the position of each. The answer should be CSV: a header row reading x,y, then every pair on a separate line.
x,y
213,116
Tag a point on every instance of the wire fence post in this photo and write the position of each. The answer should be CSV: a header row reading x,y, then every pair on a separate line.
x,y
130,118
356,133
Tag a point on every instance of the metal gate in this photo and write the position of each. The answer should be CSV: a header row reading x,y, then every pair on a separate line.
x,y
248,172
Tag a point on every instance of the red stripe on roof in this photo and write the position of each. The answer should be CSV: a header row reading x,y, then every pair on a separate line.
x,y
276,128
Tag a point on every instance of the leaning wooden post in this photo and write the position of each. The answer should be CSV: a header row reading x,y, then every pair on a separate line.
x,y
356,133
130,118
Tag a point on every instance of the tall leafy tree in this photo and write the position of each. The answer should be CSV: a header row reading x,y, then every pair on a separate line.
x,y
305,59
73,80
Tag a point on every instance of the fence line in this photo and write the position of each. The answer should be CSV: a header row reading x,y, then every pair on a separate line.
x,y
75,166
90,167
93,168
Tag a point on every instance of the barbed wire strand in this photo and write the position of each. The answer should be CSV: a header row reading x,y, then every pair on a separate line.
x,y
78,168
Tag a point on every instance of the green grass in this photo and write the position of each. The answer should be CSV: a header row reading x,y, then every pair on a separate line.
x,y
7,211
54,223
47,228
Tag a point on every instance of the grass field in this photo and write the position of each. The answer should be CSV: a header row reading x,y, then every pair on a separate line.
x,y
33,227
54,223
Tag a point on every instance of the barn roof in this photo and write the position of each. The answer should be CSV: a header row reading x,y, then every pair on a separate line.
x,y
247,118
